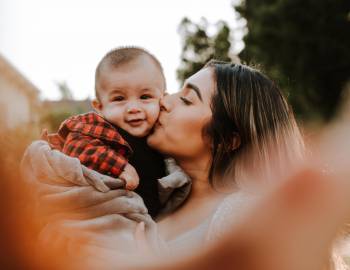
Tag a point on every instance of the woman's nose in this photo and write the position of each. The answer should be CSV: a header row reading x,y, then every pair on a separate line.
x,y
165,103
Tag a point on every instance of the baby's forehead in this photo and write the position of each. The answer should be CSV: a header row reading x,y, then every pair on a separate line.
x,y
133,91
125,80
129,88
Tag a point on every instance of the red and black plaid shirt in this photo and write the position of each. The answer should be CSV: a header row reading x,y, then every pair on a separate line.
x,y
93,140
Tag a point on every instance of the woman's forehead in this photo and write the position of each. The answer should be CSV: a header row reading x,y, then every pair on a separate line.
x,y
204,81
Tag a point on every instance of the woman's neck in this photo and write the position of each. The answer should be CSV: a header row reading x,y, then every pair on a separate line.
x,y
200,204
198,171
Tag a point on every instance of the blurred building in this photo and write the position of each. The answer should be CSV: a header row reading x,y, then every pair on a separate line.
x,y
19,99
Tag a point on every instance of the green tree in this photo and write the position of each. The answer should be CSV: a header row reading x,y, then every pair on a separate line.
x,y
305,46
198,46
65,91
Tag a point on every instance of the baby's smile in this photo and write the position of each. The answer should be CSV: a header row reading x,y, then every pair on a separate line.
x,y
135,122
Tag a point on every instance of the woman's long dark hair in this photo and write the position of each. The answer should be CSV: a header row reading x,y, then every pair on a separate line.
x,y
248,107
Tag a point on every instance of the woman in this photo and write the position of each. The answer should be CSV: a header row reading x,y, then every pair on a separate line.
x,y
224,112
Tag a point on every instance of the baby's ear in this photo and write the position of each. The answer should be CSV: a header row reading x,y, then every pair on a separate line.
x,y
96,104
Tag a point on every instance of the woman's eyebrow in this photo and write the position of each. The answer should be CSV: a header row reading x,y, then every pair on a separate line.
x,y
196,89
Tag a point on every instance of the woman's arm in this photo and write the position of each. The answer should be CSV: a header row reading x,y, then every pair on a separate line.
x,y
292,228
68,200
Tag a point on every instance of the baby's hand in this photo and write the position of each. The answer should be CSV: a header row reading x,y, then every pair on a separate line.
x,y
130,176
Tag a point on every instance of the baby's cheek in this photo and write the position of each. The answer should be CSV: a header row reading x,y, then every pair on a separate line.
x,y
114,115
153,110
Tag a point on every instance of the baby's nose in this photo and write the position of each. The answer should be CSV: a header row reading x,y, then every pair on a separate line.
x,y
133,109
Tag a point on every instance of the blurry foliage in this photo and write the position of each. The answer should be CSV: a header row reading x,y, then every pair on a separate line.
x,y
199,47
51,120
304,46
65,91
55,112
17,229
14,142
19,225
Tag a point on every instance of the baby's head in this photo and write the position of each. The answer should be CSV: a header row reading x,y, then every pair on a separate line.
x,y
129,83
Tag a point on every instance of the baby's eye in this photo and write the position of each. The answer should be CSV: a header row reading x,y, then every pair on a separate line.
x,y
117,98
146,96
185,101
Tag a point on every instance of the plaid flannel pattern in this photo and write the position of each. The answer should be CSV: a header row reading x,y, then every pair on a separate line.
x,y
94,141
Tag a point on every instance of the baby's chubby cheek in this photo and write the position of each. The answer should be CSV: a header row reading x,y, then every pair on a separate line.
x,y
153,113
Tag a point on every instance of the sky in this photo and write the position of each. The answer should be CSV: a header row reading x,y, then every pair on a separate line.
x,y
52,41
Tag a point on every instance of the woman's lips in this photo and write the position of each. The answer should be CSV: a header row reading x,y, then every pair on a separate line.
x,y
158,124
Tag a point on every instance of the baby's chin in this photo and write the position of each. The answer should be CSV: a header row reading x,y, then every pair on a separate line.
x,y
139,133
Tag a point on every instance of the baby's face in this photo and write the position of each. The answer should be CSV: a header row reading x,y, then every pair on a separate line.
x,y
130,94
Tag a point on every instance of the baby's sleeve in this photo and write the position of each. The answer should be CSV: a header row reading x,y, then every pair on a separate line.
x,y
95,154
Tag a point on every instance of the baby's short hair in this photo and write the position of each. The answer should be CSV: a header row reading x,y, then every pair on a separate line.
x,y
122,55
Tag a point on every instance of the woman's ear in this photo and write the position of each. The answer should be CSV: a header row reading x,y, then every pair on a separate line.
x,y
96,104
236,141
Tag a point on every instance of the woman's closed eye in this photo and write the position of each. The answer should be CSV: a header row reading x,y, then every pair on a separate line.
x,y
186,101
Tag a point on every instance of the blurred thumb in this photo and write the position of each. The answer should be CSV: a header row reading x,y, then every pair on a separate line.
x,y
141,240
44,135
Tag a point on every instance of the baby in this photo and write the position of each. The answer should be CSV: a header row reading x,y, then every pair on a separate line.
x,y
129,82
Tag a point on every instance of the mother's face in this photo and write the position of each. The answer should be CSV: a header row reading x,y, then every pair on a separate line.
x,y
179,131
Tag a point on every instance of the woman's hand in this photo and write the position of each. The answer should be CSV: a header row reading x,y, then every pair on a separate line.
x,y
147,238
41,163
70,205
63,185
